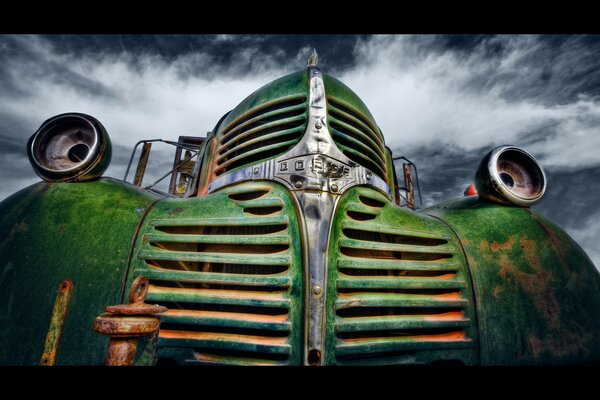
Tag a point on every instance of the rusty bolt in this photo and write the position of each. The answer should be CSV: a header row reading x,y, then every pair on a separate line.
x,y
126,323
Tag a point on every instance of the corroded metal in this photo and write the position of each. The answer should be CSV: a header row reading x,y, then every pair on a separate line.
x,y
125,323
57,322
142,163
408,183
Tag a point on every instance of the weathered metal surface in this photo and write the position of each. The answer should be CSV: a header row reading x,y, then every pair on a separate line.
x,y
57,322
56,231
142,163
536,290
408,183
399,290
125,323
229,267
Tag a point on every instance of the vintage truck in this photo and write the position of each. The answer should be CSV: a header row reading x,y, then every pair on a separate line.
x,y
285,238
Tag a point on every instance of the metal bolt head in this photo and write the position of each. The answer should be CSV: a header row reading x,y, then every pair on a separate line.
x,y
298,184
317,290
368,175
256,170
334,188
318,125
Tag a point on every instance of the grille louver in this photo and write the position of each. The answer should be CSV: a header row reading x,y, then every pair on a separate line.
x,y
262,132
356,137
398,291
227,280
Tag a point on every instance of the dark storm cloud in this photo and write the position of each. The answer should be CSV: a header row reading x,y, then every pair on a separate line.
x,y
442,101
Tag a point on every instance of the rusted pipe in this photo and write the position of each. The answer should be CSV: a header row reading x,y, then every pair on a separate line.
x,y
126,323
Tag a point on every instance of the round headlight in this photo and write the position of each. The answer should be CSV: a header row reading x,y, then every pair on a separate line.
x,y
510,175
70,147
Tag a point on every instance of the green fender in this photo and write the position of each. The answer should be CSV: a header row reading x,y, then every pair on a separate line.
x,y
537,293
82,232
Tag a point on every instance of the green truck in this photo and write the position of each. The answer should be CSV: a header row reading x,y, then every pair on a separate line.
x,y
285,238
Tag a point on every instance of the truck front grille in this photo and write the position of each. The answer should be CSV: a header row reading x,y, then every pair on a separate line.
x,y
230,277
398,289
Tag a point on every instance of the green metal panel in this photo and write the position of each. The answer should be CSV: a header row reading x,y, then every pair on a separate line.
x,y
229,267
288,85
398,287
53,232
537,292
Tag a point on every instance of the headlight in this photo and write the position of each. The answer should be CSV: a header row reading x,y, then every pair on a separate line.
x,y
510,175
70,147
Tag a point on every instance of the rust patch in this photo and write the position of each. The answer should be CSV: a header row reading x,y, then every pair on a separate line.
x,y
496,291
537,286
19,228
57,322
508,245
125,323
484,246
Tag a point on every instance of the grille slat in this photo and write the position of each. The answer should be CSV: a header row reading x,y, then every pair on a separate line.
x,y
280,279
439,282
365,245
264,259
392,230
230,222
398,300
273,239
226,319
396,322
217,296
259,344
403,343
396,265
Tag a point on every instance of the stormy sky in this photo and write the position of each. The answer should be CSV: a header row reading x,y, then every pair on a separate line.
x,y
442,101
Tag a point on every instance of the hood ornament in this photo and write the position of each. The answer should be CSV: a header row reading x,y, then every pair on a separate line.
x,y
313,59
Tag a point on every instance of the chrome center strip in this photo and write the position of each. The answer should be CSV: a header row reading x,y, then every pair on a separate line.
x,y
316,172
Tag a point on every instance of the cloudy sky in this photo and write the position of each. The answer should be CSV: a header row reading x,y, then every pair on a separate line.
x,y
442,101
